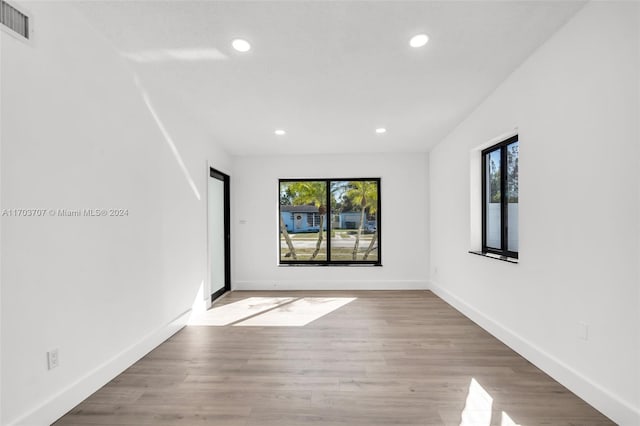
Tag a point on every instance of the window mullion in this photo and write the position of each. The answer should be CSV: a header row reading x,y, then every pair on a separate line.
x,y
327,215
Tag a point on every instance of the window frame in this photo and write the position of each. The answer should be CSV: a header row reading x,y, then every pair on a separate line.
x,y
328,216
504,204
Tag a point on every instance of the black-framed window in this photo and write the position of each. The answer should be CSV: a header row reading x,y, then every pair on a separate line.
x,y
329,221
500,198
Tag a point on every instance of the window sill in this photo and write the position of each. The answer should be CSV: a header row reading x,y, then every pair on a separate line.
x,y
331,264
495,256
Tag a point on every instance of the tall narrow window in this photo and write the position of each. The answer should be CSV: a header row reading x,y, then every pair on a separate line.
x,y
329,221
500,198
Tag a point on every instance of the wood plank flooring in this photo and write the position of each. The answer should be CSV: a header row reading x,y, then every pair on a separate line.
x,y
386,358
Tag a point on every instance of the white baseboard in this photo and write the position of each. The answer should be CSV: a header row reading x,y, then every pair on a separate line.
x,y
57,405
612,406
331,285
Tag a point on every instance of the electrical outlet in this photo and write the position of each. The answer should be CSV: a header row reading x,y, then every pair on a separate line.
x,y
583,331
52,359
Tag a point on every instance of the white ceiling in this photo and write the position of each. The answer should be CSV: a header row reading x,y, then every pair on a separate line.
x,y
329,73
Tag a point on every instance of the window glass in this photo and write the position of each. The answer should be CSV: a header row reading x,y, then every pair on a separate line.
x,y
512,196
493,199
302,220
354,233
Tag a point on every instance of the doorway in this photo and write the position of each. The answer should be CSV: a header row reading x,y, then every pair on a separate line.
x,y
219,244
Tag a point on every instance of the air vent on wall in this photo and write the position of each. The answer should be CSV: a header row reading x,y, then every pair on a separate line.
x,y
13,19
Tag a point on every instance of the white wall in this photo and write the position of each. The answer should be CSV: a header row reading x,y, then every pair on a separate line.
x,y
575,103
77,133
404,227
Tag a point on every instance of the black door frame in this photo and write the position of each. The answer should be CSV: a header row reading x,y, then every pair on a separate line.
x,y
213,173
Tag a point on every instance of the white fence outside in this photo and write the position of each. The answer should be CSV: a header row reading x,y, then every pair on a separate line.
x,y
493,226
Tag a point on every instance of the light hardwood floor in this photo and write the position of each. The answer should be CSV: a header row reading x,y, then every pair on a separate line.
x,y
386,358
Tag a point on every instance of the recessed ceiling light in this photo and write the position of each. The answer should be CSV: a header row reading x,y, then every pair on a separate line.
x,y
280,132
241,45
418,40
381,130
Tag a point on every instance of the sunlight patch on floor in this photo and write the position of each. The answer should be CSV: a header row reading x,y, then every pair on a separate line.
x,y
506,420
477,408
298,313
236,311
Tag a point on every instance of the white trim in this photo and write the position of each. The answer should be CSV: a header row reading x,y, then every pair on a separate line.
x,y
611,405
497,139
207,290
51,409
475,199
331,284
